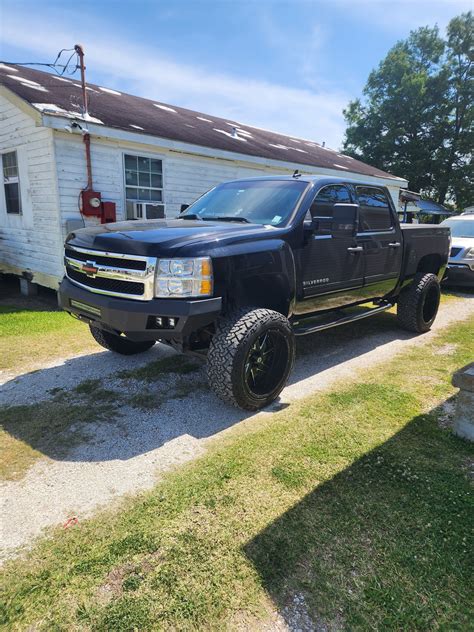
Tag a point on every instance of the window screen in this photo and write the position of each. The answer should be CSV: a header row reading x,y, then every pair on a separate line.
x,y
11,182
143,183
374,213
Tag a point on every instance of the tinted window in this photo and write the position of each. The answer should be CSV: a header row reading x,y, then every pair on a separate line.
x,y
374,213
328,196
322,207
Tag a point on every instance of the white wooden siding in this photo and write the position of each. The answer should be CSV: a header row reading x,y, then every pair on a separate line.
x,y
185,177
30,242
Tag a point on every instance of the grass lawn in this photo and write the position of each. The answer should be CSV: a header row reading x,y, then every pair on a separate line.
x,y
31,335
355,500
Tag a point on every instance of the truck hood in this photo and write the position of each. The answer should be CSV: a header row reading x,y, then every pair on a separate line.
x,y
166,237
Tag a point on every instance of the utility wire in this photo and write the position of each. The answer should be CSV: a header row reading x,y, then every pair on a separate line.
x,y
54,65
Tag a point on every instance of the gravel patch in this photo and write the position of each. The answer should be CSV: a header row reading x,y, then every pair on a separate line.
x,y
131,450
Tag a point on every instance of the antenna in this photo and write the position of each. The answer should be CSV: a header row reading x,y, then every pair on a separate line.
x,y
296,174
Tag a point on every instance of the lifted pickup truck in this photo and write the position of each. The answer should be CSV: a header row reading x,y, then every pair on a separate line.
x,y
249,266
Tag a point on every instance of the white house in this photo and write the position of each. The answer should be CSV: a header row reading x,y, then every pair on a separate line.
x,y
147,157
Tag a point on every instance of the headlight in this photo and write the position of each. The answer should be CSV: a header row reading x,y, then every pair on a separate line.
x,y
177,278
470,254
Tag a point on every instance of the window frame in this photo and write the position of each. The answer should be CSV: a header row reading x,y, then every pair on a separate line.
x,y
388,197
150,156
16,180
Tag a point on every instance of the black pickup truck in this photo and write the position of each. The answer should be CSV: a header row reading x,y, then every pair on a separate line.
x,y
249,266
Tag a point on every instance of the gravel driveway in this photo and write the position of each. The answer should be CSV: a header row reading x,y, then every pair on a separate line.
x,y
129,451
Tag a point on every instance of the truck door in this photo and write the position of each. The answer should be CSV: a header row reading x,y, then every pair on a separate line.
x,y
380,236
331,270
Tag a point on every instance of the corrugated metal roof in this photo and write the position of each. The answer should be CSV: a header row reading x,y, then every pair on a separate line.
x,y
61,96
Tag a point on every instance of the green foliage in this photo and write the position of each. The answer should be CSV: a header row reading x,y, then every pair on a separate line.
x,y
416,119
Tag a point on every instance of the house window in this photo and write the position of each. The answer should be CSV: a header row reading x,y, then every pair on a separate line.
x,y
144,187
11,183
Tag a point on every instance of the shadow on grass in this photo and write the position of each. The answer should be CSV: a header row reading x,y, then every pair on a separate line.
x,y
383,545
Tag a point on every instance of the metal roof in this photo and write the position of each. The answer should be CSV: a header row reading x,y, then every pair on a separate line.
x,y
61,96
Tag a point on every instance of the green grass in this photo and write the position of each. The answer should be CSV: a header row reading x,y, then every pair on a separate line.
x,y
51,427
155,370
354,498
29,337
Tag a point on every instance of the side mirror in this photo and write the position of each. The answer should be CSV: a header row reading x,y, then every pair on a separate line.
x,y
183,208
345,220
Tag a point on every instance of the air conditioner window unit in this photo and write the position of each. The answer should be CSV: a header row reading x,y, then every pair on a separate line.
x,y
148,210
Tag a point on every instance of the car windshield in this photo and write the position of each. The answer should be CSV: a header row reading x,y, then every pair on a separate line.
x,y
255,201
460,227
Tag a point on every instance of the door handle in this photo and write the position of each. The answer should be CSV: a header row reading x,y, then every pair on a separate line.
x,y
394,244
355,249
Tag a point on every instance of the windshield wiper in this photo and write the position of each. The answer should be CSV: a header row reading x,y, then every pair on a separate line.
x,y
226,218
190,216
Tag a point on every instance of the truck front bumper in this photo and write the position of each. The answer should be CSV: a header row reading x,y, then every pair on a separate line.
x,y
158,319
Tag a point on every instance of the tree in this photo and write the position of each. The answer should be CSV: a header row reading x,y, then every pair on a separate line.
x,y
416,118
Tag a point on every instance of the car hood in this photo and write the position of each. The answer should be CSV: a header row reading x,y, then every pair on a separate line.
x,y
166,237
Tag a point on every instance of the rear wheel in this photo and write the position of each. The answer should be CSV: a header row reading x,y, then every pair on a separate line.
x,y
119,344
250,357
418,303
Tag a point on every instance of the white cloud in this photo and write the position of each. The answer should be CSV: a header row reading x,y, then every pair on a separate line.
x,y
147,72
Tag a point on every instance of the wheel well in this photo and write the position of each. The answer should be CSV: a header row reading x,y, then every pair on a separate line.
x,y
270,291
430,263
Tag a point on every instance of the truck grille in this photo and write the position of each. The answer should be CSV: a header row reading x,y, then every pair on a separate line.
x,y
114,274
129,264
108,285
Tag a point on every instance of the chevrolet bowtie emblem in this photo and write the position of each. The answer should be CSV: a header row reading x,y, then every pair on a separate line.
x,y
89,269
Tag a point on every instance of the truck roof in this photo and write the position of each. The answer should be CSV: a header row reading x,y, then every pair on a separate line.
x,y
311,179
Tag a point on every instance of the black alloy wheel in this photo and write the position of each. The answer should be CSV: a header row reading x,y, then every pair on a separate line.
x,y
250,357
266,361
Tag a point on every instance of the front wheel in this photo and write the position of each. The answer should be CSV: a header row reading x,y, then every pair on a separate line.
x,y
119,344
418,303
250,357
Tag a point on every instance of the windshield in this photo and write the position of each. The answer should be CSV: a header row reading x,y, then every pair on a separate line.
x,y
460,227
256,201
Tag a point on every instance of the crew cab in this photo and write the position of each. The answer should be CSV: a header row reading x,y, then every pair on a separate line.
x,y
247,267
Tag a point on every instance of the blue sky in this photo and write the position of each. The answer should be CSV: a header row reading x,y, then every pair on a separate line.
x,y
290,66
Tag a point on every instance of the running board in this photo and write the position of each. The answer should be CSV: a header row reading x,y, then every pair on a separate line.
x,y
303,330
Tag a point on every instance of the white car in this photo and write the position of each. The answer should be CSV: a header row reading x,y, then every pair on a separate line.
x,y
461,258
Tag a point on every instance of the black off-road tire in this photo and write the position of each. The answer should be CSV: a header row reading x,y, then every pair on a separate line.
x,y
418,303
119,344
230,349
